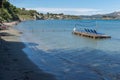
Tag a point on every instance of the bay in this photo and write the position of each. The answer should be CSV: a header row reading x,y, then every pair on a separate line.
x,y
51,45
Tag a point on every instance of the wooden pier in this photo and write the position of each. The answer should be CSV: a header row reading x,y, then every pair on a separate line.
x,y
91,35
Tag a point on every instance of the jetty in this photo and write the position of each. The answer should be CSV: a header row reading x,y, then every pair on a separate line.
x,y
91,35
87,30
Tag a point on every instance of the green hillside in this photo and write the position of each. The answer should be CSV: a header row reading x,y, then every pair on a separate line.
x,y
9,12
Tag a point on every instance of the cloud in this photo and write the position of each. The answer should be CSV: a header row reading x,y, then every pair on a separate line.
x,y
72,11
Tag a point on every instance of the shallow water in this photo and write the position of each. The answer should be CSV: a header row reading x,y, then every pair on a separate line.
x,y
53,48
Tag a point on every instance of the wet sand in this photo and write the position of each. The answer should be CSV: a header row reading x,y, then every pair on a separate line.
x,y
14,63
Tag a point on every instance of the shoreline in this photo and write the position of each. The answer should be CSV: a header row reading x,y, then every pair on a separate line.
x,y
11,24
14,63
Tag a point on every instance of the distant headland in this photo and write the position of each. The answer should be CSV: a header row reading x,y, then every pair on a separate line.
x,y
9,12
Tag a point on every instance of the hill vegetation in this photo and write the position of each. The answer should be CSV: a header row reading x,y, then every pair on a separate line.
x,y
9,12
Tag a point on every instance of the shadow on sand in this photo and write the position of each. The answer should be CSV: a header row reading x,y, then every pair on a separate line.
x,y
15,64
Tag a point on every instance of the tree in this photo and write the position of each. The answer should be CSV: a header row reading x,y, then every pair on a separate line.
x,y
1,3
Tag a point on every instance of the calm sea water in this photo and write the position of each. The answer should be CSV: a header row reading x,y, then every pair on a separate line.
x,y
51,45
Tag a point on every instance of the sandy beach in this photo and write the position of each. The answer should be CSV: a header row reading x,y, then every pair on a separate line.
x,y
14,63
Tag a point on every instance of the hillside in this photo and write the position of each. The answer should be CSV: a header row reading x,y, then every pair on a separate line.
x,y
9,12
114,15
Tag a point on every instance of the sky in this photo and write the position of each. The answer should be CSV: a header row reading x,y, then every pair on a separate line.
x,y
72,7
